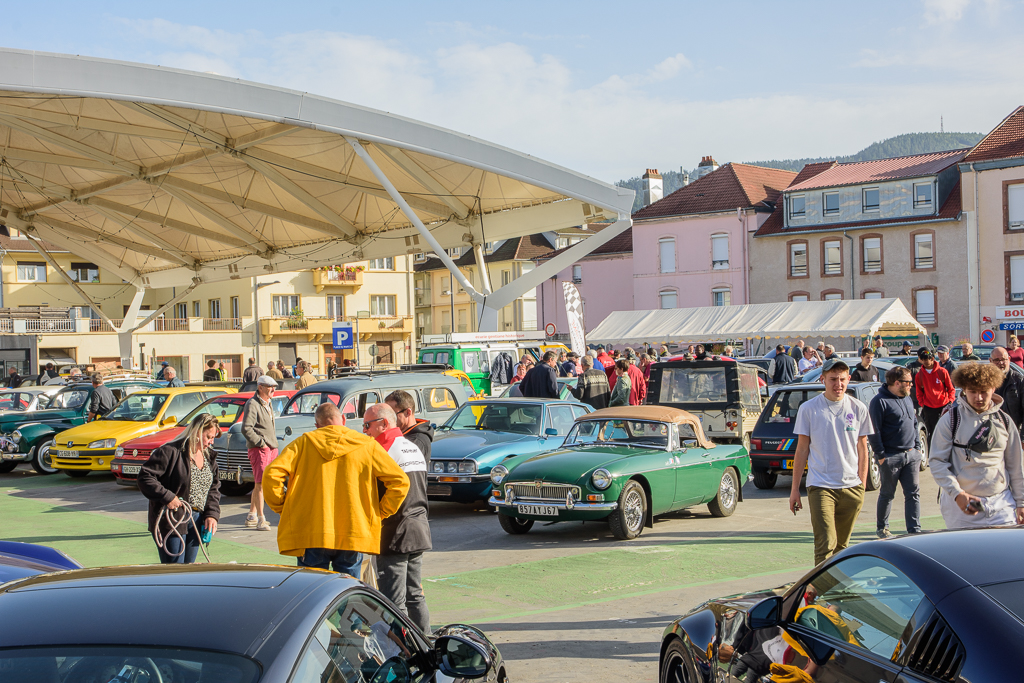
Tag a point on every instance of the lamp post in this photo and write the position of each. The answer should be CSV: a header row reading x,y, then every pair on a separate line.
x,y
256,287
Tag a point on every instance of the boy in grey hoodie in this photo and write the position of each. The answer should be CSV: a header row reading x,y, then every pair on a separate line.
x,y
983,485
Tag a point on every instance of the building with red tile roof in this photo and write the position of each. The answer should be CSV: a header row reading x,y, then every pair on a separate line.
x,y
993,201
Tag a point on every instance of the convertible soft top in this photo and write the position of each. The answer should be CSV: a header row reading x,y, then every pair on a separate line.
x,y
653,414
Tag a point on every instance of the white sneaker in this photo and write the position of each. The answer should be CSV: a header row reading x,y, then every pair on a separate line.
x,y
250,522
263,525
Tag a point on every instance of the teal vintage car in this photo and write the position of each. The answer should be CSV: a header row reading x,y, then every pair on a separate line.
x,y
627,465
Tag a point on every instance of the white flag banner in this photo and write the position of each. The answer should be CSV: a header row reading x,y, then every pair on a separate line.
x,y
574,312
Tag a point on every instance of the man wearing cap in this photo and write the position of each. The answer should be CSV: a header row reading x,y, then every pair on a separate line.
x,y
880,349
905,349
1012,390
942,357
261,438
934,390
863,371
832,442
163,370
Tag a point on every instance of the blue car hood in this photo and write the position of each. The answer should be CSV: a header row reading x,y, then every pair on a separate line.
x,y
472,443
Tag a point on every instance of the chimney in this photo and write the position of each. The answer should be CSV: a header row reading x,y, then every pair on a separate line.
x,y
652,186
686,177
706,165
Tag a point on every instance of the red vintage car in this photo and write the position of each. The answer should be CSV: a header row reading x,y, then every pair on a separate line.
x,y
228,408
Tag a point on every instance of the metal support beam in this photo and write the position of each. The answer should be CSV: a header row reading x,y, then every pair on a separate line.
x,y
485,277
169,118
116,165
96,235
421,176
163,221
125,333
152,316
172,252
67,278
205,211
345,230
415,220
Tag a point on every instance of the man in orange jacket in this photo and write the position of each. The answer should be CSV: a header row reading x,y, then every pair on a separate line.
x,y
331,510
934,390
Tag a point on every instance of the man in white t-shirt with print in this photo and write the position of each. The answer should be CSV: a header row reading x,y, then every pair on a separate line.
x,y
832,441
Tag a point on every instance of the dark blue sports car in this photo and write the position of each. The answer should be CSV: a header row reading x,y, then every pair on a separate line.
x,y
941,606
224,624
18,560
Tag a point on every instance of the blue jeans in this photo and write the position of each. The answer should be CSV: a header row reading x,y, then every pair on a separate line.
x,y
905,469
341,561
173,545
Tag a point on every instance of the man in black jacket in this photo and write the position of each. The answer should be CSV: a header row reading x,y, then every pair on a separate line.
x,y
14,380
102,400
592,386
896,445
864,371
542,380
1012,390
785,366
405,535
416,430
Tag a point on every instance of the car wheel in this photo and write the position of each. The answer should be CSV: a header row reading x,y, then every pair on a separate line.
x,y
763,479
925,446
230,488
627,521
6,467
514,526
41,461
725,502
673,663
874,478
76,474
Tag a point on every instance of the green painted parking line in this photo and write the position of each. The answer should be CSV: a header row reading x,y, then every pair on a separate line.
x,y
97,540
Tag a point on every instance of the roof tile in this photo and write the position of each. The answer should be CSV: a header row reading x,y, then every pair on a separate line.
x,y
620,244
880,170
1006,140
731,186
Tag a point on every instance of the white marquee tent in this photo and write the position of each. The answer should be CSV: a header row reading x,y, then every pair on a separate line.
x,y
859,318
172,178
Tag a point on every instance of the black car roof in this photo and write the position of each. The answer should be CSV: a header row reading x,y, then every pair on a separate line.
x,y
219,607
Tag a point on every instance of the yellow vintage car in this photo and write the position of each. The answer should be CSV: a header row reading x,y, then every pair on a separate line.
x,y
90,447
467,383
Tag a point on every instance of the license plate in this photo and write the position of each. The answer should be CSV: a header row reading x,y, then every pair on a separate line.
x,y
787,464
130,469
435,490
539,510
66,454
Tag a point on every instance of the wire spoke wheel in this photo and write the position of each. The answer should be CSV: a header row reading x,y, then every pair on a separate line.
x,y
627,521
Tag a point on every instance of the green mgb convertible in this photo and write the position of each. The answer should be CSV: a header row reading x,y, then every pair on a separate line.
x,y
626,465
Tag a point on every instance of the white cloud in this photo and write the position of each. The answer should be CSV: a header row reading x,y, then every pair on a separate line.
x,y
944,11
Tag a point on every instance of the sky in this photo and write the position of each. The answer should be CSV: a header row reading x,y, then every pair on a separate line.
x,y
605,89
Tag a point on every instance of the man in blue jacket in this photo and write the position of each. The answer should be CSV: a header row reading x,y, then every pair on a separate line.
x,y
542,380
785,366
896,445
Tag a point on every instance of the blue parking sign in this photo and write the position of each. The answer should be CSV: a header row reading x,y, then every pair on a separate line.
x,y
342,333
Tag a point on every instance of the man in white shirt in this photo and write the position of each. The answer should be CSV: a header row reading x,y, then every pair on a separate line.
x,y
832,441
809,361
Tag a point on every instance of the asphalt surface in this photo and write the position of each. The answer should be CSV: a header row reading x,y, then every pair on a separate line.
x,y
565,602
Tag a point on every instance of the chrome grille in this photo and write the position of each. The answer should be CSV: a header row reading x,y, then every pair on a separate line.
x,y
232,460
551,493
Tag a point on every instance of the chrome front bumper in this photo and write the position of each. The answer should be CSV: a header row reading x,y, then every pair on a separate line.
x,y
9,450
586,507
457,478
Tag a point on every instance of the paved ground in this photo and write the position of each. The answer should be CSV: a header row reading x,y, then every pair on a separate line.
x,y
564,602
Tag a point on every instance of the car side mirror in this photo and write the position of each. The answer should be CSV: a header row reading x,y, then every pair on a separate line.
x,y
288,430
169,420
462,652
765,614
350,416
550,431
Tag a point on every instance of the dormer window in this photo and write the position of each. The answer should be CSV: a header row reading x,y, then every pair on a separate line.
x,y
870,199
922,195
797,204
830,203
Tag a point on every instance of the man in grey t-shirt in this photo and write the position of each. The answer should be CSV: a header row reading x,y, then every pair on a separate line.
x,y
832,441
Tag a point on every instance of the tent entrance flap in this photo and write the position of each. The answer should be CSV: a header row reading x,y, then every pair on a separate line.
x,y
859,318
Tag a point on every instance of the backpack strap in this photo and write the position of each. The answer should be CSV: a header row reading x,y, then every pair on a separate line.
x,y
954,420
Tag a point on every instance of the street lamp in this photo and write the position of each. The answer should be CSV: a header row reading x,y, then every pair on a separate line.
x,y
256,286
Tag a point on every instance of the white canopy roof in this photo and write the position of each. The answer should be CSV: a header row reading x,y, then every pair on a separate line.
x,y
858,318
163,176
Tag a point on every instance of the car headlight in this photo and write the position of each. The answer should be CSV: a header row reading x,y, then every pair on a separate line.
x,y
453,468
16,436
601,479
498,474
437,467
467,467
103,443
119,452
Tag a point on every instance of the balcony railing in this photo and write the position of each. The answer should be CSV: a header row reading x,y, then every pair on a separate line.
x,y
171,324
833,268
6,325
924,262
926,318
221,324
100,325
798,271
313,327
334,278
872,266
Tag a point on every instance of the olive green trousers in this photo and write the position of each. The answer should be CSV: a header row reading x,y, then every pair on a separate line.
x,y
833,514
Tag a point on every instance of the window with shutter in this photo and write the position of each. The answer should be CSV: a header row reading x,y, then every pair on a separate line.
x,y
872,254
1017,278
833,255
1015,206
667,250
719,251
925,304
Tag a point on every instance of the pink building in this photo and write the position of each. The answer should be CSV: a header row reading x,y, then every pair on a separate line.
x,y
604,278
690,248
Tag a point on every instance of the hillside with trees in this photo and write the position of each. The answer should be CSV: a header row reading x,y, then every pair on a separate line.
x,y
898,146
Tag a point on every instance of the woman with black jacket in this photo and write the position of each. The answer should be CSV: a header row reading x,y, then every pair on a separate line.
x,y
183,470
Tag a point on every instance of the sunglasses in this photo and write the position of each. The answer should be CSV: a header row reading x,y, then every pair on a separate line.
x,y
367,423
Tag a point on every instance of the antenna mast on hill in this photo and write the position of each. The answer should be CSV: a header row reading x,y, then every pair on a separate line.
x,y
942,128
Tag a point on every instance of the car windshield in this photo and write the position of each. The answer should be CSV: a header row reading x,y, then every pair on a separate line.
x,y
10,400
693,385
123,663
514,390
521,418
137,408
70,398
624,432
225,411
